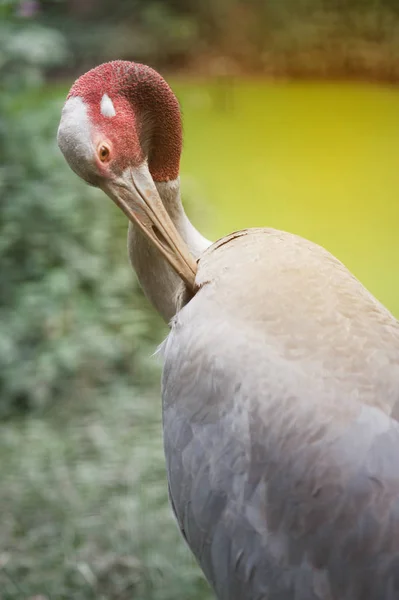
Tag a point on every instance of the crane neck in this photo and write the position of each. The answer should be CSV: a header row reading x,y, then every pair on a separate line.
x,y
159,281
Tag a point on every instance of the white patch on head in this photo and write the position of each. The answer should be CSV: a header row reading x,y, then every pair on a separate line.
x,y
107,107
75,137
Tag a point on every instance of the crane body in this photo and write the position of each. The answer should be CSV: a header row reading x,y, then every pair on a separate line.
x,y
284,477
280,387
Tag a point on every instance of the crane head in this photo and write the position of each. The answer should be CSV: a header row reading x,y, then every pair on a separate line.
x,y
120,130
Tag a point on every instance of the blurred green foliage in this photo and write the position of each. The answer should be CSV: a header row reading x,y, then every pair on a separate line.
x,y
324,38
84,506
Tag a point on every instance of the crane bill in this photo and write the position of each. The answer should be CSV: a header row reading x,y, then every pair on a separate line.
x,y
137,196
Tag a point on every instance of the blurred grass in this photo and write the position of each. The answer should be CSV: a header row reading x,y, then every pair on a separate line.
x,y
84,496
84,506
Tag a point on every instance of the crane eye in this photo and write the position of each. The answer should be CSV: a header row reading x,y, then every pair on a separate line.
x,y
104,153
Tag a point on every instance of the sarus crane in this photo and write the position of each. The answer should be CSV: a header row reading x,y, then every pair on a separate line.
x,y
280,384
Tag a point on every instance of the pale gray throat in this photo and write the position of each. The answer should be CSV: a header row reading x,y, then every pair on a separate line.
x,y
159,281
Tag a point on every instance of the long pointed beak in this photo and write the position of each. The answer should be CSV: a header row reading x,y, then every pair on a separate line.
x,y
136,195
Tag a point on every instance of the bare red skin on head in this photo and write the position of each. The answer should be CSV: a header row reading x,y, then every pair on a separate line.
x,y
147,116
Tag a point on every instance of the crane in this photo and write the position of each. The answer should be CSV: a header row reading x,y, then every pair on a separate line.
x,y
280,385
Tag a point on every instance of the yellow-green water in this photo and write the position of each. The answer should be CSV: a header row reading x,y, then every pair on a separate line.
x,y
319,160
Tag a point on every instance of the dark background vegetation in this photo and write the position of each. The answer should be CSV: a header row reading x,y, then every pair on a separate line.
x,y
83,502
324,38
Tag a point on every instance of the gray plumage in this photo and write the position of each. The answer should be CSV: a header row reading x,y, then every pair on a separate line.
x,y
280,396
